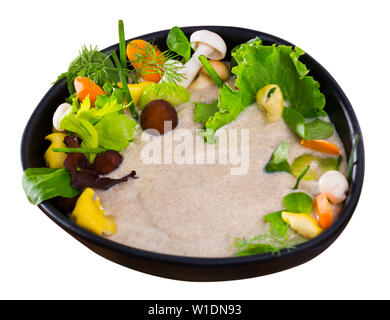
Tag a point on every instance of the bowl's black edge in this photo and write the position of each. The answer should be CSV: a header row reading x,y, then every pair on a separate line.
x,y
228,267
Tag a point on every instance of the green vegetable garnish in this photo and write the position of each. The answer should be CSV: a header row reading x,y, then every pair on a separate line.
x,y
300,177
122,44
41,184
170,92
278,161
260,65
351,160
316,129
92,64
79,150
178,42
210,70
126,90
276,223
115,131
300,164
93,115
298,202
84,129
204,111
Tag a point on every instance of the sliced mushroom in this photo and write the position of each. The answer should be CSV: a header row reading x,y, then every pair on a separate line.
x,y
206,43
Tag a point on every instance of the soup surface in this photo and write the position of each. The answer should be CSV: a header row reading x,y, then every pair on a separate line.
x,y
199,209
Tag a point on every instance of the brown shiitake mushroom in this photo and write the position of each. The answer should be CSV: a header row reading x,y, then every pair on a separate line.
x,y
107,161
156,113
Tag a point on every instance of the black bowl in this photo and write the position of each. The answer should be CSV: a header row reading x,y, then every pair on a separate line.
x,y
206,269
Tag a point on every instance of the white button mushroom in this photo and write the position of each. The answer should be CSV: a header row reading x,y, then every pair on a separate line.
x,y
206,43
176,65
334,185
62,110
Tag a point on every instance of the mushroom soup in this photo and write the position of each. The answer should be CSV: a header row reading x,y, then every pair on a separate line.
x,y
187,154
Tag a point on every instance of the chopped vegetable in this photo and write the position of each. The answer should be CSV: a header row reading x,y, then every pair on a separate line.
x,y
278,161
270,100
324,211
204,111
210,70
87,88
299,202
136,90
334,185
122,44
321,146
300,177
260,65
316,129
220,68
145,58
206,43
276,223
170,92
123,79
179,43
94,65
55,159
351,160
41,184
85,130
89,214
115,131
302,223
301,162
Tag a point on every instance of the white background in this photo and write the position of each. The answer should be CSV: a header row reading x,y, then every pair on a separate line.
x,y
39,39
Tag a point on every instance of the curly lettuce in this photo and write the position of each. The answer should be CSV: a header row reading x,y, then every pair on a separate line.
x,y
259,65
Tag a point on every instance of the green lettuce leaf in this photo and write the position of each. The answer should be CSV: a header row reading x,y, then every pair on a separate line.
x,y
260,65
115,131
84,129
229,107
41,184
94,115
204,111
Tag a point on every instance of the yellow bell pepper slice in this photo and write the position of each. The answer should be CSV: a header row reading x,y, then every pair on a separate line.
x,y
89,214
302,223
136,90
55,159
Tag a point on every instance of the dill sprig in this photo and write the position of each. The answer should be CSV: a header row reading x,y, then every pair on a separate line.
x,y
93,64
269,242
150,61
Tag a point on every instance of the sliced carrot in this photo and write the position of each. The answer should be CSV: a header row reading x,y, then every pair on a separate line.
x,y
140,53
85,87
324,211
321,146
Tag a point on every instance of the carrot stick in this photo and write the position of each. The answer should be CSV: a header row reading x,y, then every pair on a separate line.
x,y
321,146
324,211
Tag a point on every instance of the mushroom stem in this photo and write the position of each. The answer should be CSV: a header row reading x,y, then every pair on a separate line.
x,y
192,67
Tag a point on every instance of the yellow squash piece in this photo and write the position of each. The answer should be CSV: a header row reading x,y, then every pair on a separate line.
x,y
55,159
136,90
270,100
89,214
302,223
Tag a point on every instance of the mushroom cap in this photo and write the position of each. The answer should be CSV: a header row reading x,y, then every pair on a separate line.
x,y
211,39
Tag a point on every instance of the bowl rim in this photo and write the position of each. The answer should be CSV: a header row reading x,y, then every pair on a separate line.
x,y
331,233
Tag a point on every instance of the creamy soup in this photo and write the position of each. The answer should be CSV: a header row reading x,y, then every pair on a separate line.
x,y
199,209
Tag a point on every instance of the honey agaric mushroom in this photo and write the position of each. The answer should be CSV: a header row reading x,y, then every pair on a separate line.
x,y
206,43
